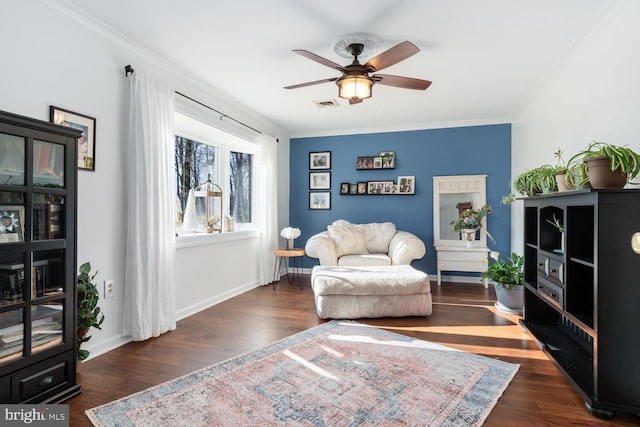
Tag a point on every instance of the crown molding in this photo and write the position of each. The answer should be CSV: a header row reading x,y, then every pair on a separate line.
x,y
215,97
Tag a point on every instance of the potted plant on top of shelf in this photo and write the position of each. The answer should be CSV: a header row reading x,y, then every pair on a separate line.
x,y
89,314
607,165
508,280
564,176
538,180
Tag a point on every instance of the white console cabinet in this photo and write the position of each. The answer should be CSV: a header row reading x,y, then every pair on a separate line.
x,y
452,258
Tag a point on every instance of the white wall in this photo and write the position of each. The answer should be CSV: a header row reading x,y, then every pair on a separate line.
x,y
594,95
52,56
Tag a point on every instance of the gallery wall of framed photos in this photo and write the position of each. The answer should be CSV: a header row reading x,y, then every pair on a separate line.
x,y
383,160
319,179
405,185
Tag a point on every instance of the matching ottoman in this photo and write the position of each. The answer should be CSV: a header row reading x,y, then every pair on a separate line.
x,y
375,291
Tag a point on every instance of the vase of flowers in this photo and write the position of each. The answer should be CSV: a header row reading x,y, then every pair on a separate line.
x,y
290,233
469,222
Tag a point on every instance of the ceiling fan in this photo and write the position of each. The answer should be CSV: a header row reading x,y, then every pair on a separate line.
x,y
356,84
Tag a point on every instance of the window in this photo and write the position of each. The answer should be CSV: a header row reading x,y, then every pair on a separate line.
x,y
205,152
240,179
195,164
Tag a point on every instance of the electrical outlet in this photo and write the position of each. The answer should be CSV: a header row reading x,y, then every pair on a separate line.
x,y
108,288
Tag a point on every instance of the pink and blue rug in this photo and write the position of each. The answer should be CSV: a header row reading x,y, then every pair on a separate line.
x,y
340,373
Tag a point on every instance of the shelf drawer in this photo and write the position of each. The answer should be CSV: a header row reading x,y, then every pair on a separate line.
x,y
44,379
463,256
551,269
5,390
551,292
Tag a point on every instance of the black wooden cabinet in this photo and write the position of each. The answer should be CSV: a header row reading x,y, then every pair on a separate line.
x,y
37,260
582,292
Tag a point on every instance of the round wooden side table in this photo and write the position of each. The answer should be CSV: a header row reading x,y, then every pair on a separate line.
x,y
283,255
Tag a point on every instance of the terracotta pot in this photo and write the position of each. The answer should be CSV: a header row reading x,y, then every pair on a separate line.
x,y
562,183
601,175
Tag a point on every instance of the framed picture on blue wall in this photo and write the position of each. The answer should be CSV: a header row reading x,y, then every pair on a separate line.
x,y
320,200
406,185
364,162
319,180
362,188
388,159
320,160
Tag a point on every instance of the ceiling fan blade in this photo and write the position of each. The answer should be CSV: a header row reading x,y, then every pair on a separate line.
x,y
403,82
316,82
392,56
355,100
319,59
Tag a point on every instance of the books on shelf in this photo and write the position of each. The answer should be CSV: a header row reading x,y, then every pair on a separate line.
x,y
12,280
53,218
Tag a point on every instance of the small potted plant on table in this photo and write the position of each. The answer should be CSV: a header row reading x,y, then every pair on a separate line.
x,y
508,280
469,222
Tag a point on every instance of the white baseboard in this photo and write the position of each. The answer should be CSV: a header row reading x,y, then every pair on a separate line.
x,y
106,346
457,279
216,299
120,340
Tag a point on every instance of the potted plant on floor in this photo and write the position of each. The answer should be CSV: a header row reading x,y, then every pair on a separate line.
x,y
508,280
607,165
89,314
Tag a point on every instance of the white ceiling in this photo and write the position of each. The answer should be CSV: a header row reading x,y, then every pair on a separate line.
x,y
484,57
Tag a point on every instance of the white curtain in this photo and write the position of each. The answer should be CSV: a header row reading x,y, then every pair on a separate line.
x,y
149,300
267,209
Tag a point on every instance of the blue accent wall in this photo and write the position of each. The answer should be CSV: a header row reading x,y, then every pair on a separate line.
x,y
472,150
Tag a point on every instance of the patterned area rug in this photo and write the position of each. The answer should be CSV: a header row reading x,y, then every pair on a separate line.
x,y
340,373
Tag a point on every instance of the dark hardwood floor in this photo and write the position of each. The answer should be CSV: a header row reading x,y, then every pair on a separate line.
x,y
463,317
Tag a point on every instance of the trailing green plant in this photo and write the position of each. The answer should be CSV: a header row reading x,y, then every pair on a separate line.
x,y
89,314
537,180
525,183
503,273
508,199
623,158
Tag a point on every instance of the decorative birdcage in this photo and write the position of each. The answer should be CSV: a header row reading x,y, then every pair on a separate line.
x,y
211,193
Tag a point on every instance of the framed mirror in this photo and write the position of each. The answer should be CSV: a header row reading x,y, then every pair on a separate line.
x,y
451,195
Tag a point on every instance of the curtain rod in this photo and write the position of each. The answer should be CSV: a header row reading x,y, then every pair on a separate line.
x,y
129,69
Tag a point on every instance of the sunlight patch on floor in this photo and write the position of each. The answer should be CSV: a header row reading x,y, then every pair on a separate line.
x,y
511,331
318,370
499,352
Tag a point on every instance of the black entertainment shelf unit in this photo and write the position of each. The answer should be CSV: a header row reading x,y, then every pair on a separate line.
x,y
582,292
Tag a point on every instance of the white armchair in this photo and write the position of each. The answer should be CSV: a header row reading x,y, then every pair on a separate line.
x,y
371,244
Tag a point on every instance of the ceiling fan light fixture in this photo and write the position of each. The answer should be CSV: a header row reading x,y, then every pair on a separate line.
x,y
359,87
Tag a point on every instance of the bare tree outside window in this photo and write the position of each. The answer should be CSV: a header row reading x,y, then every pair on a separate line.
x,y
241,170
195,161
